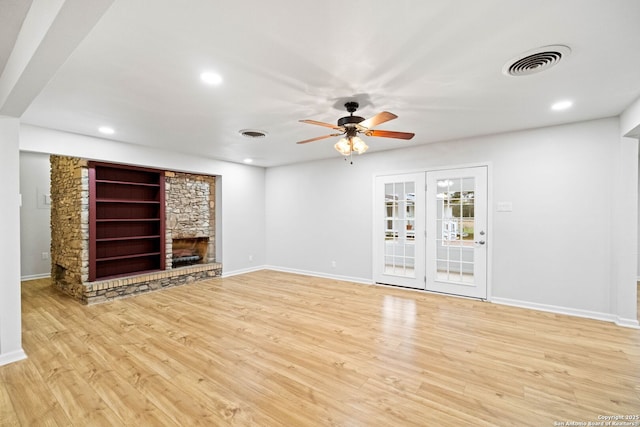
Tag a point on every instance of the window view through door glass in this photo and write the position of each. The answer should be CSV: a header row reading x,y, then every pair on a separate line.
x,y
399,251
455,224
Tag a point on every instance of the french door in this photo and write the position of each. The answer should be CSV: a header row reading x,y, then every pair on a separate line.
x,y
431,231
399,233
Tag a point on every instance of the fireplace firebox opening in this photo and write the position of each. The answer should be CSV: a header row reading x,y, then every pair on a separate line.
x,y
189,251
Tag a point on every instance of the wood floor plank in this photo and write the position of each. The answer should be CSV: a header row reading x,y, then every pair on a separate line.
x,y
270,348
8,416
32,400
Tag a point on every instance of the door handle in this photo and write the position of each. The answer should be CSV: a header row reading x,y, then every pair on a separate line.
x,y
481,242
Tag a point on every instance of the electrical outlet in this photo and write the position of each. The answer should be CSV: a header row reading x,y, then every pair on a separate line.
x,y
250,257
45,255
333,264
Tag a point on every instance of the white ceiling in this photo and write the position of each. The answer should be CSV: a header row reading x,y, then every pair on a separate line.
x,y
437,64
13,13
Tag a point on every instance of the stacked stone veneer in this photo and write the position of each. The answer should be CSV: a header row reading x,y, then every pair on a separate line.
x,y
69,223
190,212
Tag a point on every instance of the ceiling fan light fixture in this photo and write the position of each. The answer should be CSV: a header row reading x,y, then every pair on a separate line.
x,y
343,147
359,146
349,145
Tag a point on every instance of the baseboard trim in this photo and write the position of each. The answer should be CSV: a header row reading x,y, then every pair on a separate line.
x,y
322,275
241,271
35,276
628,323
595,315
12,356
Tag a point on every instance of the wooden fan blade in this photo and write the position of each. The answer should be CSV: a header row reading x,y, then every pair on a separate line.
x,y
318,138
385,116
327,125
390,134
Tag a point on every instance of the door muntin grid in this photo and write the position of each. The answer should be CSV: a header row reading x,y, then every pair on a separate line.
x,y
400,226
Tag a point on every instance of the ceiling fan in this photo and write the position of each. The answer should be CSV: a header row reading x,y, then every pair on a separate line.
x,y
351,126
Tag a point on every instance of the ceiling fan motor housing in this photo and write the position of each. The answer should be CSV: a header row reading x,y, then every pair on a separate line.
x,y
350,121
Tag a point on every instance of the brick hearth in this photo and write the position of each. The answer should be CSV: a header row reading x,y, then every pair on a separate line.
x,y
106,290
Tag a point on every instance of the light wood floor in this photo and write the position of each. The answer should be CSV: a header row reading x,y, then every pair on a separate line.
x,y
271,348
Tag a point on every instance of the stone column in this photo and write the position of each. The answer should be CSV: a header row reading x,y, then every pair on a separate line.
x,y
69,224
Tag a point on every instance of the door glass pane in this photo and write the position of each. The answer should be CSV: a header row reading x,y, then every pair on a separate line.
x,y
467,271
443,270
454,271
455,223
399,229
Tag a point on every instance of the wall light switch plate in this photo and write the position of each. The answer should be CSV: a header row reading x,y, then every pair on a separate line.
x,y
505,207
44,199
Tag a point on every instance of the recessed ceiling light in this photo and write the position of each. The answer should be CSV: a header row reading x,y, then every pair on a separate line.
x,y
211,78
106,130
562,105
248,160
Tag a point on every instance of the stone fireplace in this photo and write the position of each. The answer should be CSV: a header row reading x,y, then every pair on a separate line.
x,y
190,225
189,236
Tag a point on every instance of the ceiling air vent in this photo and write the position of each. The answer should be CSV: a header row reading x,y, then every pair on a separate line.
x,y
253,133
536,60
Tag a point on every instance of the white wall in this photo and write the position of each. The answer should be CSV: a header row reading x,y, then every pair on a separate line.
x,y
552,251
241,210
35,229
10,325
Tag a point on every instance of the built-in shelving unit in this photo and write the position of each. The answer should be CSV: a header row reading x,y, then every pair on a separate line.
x,y
126,220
